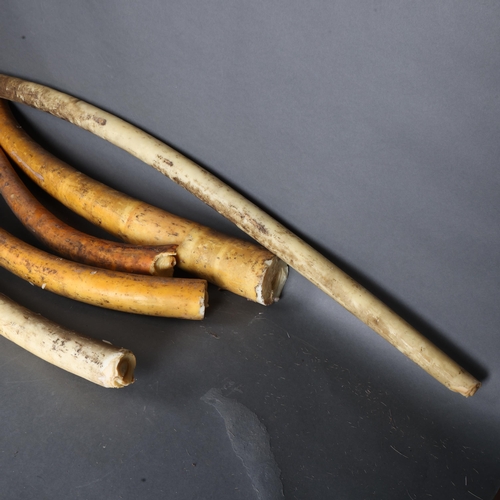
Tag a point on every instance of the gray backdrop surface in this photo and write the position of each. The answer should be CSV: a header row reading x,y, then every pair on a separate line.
x,y
369,128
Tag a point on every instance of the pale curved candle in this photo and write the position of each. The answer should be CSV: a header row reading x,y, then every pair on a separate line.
x,y
251,219
94,360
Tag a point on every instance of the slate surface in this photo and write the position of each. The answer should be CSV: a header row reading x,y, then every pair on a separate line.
x,y
370,129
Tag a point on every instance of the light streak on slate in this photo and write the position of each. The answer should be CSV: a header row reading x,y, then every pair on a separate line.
x,y
251,444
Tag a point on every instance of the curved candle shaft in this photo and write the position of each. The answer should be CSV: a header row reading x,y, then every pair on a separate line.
x,y
251,219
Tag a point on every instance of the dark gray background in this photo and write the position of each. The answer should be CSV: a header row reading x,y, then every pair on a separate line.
x,y
371,129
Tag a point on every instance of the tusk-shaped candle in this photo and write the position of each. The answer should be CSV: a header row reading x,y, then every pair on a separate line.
x,y
94,360
233,264
76,245
251,219
133,293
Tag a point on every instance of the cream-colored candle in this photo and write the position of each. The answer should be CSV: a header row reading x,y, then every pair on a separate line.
x,y
251,219
94,360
